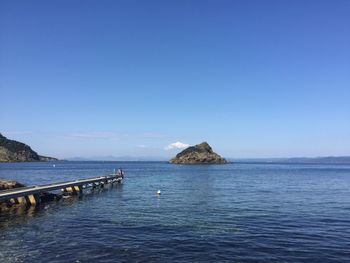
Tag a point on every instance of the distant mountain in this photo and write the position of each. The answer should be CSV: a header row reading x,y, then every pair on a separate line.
x,y
306,160
14,151
327,159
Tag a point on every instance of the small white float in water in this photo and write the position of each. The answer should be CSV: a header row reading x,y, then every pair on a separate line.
x,y
54,165
158,192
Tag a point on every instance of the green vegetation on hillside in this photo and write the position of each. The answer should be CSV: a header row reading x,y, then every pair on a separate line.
x,y
14,151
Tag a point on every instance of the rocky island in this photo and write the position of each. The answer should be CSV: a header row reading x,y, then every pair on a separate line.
x,y
198,154
14,151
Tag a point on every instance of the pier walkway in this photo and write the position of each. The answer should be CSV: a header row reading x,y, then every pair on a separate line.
x,y
29,195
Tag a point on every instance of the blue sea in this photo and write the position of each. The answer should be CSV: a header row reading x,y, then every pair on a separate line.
x,y
239,212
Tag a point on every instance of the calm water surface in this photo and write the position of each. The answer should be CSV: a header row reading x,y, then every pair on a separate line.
x,y
206,213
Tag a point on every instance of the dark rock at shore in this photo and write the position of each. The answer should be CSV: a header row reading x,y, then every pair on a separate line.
x,y
14,151
10,184
5,185
198,154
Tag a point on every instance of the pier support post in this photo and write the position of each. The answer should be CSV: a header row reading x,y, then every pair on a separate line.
x,y
21,200
14,201
70,190
33,199
78,189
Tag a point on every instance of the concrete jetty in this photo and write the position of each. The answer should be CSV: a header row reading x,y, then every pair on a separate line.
x,y
29,195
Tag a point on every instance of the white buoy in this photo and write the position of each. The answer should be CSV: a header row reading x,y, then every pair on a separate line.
x,y
54,165
158,192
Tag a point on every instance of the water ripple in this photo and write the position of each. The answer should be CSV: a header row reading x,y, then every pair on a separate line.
x,y
229,213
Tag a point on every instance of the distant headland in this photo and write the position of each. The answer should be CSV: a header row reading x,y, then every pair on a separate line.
x,y
14,151
198,154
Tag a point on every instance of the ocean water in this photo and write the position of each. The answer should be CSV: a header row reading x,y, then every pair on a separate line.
x,y
241,212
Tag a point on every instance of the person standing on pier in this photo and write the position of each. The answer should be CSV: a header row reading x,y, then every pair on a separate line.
x,y
120,173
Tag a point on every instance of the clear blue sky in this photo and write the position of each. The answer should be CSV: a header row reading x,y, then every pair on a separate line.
x,y
253,78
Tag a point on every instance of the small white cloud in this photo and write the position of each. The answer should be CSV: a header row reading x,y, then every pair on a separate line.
x,y
176,145
141,146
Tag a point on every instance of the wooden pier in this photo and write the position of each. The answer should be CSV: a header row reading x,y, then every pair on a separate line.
x,y
30,195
